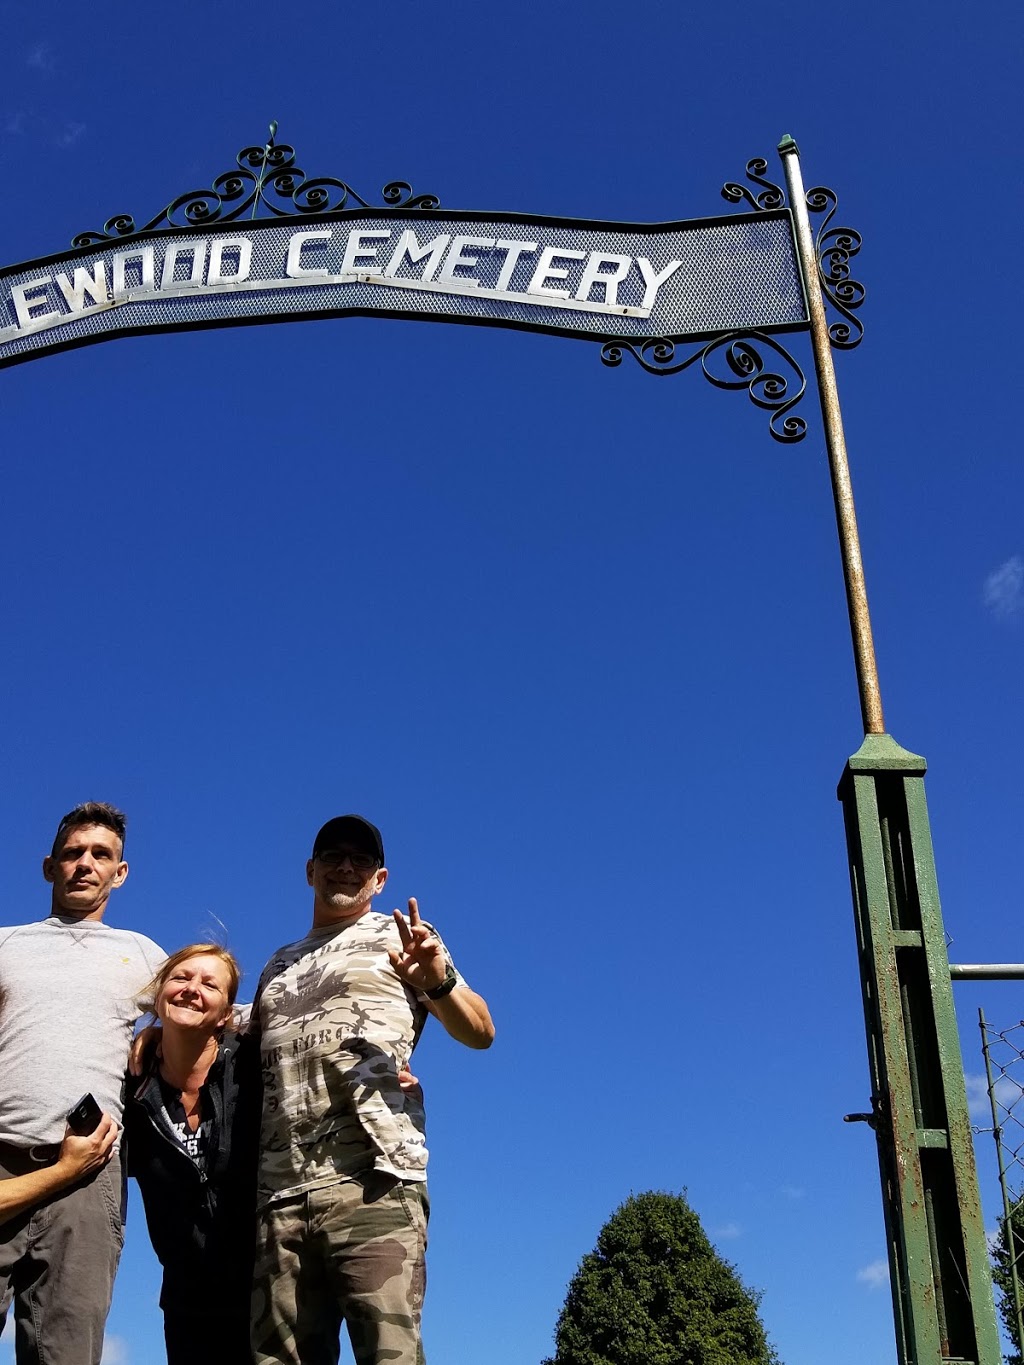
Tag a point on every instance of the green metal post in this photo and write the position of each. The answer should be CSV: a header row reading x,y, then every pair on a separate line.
x,y
938,1256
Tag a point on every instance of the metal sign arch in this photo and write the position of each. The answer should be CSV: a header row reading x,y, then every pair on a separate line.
x,y
266,243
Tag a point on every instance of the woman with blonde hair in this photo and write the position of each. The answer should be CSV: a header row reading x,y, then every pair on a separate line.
x,y
192,1126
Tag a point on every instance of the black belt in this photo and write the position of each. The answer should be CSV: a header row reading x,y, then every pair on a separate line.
x,y
21,1159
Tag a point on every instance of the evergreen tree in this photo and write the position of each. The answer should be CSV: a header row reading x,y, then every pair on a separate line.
x,y
655,1292
1007,1249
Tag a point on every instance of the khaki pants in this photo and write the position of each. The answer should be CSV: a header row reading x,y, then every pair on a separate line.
x,y
57,1265
353,1252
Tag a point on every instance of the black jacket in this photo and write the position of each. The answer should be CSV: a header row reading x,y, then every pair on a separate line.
x,y
201,1227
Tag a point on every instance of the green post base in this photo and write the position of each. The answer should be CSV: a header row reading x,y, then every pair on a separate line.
x,y
938,1257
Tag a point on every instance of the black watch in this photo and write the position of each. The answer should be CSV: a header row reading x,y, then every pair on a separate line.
x,y
446,987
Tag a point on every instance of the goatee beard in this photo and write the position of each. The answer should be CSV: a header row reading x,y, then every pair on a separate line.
x,y
349,901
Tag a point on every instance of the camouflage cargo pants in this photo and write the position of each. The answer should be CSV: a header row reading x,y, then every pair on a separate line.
x,y
353,1252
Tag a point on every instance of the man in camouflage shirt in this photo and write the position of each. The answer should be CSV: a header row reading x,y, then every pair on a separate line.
x,y
343,1206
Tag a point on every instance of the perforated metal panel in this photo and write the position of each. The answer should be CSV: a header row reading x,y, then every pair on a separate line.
x,y
732,274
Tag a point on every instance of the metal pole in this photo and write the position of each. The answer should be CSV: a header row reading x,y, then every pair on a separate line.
x,y
986,971
941,1280
839,468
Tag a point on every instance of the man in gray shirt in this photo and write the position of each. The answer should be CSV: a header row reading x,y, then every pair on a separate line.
x,y
68,987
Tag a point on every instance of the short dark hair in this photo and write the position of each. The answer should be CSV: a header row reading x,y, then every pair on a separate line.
x,y
90,813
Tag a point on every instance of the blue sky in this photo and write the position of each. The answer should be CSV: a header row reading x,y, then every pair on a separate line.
x,y
575,638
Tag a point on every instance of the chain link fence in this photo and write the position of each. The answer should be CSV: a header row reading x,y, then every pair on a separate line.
x,y
1003,1051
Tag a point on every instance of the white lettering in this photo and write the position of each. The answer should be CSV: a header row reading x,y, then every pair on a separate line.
x,y
514,250
294,268
547,271
457,259
594,275
95,285
23,305
409,246
216,274
591,280
197,250
142,258
652,280
360,247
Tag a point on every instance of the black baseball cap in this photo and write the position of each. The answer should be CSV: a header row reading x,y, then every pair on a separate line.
x,y
350,829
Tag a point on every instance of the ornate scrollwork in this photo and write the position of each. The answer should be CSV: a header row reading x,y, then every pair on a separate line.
x,y
398,193
267,179
742,353
771,196
834,247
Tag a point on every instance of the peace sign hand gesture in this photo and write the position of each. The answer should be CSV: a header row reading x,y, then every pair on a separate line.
x,y
421,964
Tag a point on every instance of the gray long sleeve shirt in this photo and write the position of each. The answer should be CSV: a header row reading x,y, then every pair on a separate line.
x,y
67,1014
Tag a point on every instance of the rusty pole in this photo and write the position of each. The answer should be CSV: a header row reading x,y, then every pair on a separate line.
x,y
938,1256
835,441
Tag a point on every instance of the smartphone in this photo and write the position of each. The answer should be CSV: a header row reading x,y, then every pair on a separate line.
x,y
85,1116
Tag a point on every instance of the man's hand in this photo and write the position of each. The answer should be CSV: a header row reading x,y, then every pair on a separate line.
x,y
409,1084
421,964
81,1155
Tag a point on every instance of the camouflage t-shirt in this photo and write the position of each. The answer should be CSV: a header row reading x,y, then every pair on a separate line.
x,y
336,1025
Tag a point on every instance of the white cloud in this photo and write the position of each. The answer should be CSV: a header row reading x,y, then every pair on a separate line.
x,y
874,1275
1003,592
792,1191
1008,1094
115,1351
977,1097
40,57
69,134
728,1231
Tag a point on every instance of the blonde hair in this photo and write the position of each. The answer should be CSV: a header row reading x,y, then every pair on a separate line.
x,y
146,998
